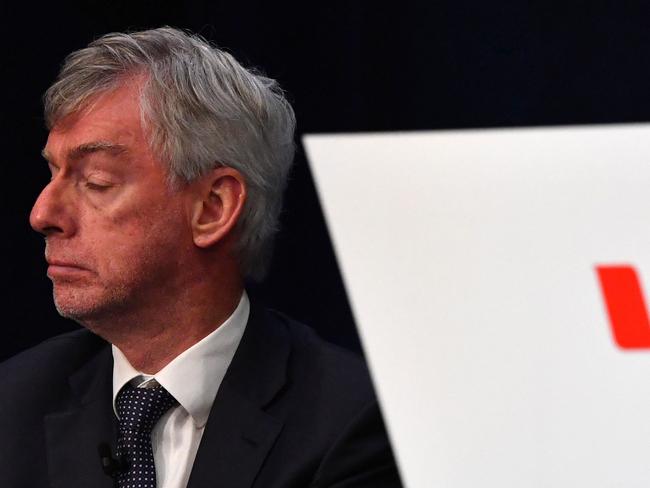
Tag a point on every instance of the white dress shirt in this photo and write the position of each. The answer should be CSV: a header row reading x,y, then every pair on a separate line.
x,y
193,378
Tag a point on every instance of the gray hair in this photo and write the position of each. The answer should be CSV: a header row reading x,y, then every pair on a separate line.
x,y
201,109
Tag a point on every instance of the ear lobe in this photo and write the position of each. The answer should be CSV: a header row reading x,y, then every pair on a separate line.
x,y
218,206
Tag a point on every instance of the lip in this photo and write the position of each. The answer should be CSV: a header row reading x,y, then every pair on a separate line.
x,y
61,269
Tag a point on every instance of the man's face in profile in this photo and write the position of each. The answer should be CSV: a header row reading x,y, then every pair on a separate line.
x,y
115,232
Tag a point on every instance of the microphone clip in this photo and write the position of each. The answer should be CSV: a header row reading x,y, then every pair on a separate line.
x,y
110,465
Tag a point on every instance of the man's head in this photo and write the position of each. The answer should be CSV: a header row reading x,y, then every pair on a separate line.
x,y
160,146
200,109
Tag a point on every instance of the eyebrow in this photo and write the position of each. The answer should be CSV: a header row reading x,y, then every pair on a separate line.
x,y
90,147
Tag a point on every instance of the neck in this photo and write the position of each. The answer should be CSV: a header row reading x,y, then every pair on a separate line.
x,y
152,336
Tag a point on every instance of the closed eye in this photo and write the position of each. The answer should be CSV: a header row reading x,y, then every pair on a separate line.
x,y
97,186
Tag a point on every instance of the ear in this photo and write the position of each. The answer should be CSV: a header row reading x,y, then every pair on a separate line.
x,y
217,206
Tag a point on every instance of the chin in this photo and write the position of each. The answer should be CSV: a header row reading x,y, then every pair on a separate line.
x,y
75,311
86,307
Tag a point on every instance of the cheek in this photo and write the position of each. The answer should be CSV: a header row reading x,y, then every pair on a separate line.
x,y
140,240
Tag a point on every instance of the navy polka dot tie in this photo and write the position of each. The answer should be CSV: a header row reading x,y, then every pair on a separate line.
x,y
139,409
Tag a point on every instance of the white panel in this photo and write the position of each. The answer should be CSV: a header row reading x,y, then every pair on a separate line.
x,y
468,257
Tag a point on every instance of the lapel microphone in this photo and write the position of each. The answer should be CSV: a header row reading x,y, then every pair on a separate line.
x,y
111,466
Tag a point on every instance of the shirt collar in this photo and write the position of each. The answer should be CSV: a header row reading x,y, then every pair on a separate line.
x,y
194,376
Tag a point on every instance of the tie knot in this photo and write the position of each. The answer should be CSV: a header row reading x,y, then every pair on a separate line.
x,y
140,408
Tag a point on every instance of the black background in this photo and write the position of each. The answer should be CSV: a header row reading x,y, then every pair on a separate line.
x,y
347,66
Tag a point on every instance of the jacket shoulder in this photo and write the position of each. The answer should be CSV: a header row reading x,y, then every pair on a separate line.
x,y
323,364
47,364
331,419
326,386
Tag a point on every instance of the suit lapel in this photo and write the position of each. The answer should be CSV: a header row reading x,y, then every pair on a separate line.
x,y
74,432
239,433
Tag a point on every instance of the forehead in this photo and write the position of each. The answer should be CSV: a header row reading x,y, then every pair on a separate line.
x,y
112,117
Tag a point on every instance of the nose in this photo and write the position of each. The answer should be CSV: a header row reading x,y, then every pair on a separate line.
x,y
51,214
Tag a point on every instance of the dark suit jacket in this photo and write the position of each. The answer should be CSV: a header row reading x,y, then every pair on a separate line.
x,y
292,411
